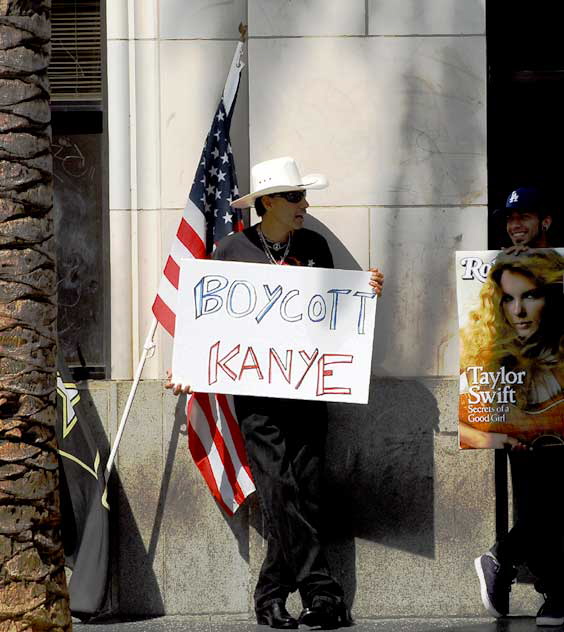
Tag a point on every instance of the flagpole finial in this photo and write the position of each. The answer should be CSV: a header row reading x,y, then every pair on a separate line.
x,y
243,32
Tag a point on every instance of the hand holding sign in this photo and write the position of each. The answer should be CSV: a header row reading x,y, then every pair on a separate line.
x,y
177,389
376,281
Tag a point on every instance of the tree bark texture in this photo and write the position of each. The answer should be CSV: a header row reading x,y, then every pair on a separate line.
x,y
33,594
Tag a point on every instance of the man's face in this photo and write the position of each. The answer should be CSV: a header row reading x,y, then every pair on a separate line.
x,y
287,213
525,228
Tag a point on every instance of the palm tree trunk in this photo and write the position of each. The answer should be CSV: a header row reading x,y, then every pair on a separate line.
x,y
33,594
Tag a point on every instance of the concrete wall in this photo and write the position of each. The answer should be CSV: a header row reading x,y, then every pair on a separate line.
x,y
387,98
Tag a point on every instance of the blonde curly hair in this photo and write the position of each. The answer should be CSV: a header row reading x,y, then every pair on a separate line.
x,y
488,340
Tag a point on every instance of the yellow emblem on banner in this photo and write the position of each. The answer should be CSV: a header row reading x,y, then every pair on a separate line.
x,y
70,397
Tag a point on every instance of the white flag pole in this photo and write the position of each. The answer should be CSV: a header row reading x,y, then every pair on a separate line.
x,y
147,347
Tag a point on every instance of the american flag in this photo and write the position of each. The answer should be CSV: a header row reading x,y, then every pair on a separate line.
x,y
214,436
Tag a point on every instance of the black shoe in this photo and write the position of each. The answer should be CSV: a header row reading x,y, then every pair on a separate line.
x,y
275,615
326,613
552,611
495,584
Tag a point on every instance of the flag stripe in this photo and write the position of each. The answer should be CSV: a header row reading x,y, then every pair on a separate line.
x,y
204,451
172,271
236,449
234,430
200,457
164,315
243,479
194,216
179,251
214,424
168,293
190,239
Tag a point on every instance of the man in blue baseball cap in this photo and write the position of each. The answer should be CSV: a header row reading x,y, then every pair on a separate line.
x,y
528,218
536,538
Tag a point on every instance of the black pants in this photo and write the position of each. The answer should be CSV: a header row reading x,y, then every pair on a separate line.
x,y
537,537
285,441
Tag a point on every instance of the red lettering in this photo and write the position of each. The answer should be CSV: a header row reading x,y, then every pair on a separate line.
x,y
322,373
309,362
253,366
215,362
285,368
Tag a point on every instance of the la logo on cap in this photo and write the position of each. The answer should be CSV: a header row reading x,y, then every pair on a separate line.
x,y
514,197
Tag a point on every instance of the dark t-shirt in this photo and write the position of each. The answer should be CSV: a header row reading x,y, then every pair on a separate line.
x,y
307,248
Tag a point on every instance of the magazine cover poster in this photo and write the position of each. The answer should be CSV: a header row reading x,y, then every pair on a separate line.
x,y
511,325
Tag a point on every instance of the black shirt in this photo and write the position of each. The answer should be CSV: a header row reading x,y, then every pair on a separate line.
x,y
307,248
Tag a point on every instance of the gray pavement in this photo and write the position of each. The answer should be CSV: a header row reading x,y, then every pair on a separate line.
x,y
238,624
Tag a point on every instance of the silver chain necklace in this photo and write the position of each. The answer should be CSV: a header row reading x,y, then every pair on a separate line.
x,y
266,248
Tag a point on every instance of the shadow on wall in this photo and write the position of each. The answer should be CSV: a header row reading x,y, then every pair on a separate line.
x,y
342,258
380,466
379,473
139,591
379,463
444,132
380,456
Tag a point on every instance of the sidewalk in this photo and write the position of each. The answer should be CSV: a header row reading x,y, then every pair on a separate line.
x,y
237,624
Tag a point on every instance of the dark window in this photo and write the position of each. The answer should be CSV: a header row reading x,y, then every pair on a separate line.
x,y
80,186
525,97
75,71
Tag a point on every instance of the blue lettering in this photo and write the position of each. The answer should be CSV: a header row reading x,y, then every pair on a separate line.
x,y
273,296
251,299
362,310
206,299
284,307
317,308
334,306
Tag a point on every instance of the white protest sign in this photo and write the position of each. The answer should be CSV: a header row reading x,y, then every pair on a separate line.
x,y
275,331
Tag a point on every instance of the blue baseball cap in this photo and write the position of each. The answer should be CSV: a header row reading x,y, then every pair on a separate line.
x,y
525,199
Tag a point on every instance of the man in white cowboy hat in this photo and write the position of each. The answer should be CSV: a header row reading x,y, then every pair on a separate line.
x,y
279,196
285,438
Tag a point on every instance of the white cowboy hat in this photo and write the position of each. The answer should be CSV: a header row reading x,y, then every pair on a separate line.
x,y
278,175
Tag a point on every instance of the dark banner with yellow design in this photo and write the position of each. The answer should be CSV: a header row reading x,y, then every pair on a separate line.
x,y
83,501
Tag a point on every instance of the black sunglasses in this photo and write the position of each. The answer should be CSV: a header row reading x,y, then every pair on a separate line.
x,y
292,196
